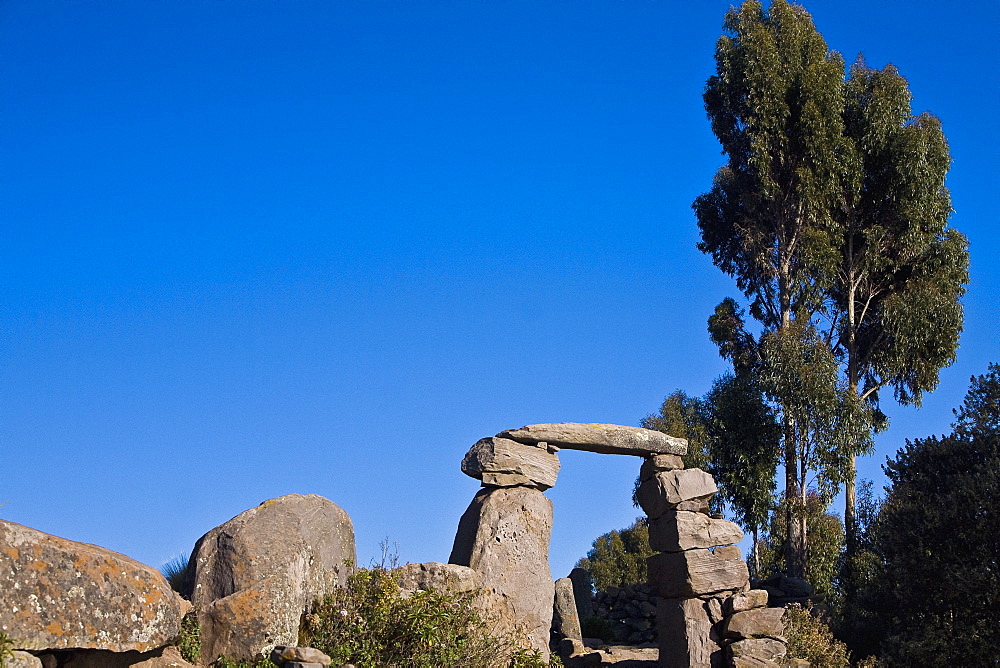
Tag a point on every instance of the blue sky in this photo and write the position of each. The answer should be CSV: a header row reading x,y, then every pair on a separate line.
x,y
323,247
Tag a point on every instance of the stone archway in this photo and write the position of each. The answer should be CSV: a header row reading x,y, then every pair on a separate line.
x,y
705,615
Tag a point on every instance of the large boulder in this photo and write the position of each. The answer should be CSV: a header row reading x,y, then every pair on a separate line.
x,y
254,576
60,594
501,462
607,439
504,536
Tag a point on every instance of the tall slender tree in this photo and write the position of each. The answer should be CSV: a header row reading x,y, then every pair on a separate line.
x,y
776,105
894,304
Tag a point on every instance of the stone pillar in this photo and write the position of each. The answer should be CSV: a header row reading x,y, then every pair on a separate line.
x,y
692,578
504,534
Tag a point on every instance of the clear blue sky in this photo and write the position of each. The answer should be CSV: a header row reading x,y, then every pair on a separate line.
x,y
254,248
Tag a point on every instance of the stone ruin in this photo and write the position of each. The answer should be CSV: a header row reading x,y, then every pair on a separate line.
x,y
706,615
69,603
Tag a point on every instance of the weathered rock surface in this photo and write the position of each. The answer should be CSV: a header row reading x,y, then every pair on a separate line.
x,y
608,439
667,489
681,530
450,578
765,649
504,536
694,573
256,574
754,598
21,659
501,462
60,594
755,623
659,463
565,619
282,655
687,639
730,552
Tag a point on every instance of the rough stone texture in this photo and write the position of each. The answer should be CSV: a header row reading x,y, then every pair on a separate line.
x,y
766,649
755,623
755,598
583,592
694,573
730,552
282,655
450,578
504,536
630,611
667,489
22,660
658,463
565,619
752,662
256,574
681,530
608,439
501,462
60,594
687,639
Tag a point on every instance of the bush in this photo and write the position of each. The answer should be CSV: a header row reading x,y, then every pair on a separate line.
x,y
189,641
370,624
811,639
618,558
6,648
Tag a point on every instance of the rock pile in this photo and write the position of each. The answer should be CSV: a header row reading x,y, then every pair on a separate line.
x,y
630,611
707,613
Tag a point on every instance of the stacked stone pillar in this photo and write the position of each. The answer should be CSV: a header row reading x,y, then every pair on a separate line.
x,y
708,616
504,534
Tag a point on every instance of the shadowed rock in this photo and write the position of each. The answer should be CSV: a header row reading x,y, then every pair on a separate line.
x,y
607,439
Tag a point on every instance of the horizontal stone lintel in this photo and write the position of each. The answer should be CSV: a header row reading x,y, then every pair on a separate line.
x,y
607,439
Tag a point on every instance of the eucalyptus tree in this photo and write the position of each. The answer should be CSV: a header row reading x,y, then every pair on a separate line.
x,y
894,303
776,105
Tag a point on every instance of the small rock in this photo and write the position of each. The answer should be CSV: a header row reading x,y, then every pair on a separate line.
x,y
755,598
288,656
657,463
755,623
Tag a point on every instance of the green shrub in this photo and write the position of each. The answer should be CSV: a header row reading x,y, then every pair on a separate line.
x,y
176,573
597,627
811,639
6,648
189,642
370,624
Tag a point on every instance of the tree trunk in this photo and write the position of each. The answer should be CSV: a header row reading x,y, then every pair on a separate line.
x,y
795,546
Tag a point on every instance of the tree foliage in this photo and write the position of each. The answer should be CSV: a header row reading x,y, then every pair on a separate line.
x,y
938,538
894,303
619,557
825,546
